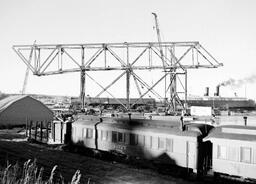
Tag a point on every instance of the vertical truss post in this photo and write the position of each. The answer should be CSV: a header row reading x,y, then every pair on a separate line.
x,y
128,80
105,55
173,81
59,58
82,80
186,90
173,91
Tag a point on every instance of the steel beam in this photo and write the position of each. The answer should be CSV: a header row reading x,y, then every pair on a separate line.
x,y
168,62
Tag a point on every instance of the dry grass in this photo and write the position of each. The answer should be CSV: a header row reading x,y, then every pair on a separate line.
x,y
30,173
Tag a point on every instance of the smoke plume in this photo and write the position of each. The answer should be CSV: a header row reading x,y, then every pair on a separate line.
x,y
240,82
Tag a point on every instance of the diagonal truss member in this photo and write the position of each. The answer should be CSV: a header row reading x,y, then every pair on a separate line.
x,y
179,57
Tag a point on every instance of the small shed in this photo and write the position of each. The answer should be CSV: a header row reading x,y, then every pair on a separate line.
x,y
18,109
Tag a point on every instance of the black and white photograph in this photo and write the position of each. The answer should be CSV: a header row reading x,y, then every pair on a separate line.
x,y
133,92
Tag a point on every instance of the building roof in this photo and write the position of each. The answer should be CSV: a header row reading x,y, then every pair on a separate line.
x,y
234,132
8,101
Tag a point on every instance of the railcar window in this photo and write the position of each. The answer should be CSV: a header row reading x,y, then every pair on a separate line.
x,y
141,140
114,136
222,152
246,154
118,137
121,137
161,143
148,141
104,135
133,139
89,133
169,145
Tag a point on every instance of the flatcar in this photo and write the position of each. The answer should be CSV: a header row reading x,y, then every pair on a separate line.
x,y
233,151
167,142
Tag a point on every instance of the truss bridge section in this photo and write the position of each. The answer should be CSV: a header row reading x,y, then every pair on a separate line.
x,y
128,62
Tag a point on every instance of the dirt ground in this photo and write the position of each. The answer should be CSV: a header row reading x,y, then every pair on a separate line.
x,y
14,147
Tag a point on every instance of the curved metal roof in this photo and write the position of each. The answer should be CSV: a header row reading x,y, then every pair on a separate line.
x,y
8,101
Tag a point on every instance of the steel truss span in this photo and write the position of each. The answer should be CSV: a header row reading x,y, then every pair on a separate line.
x,y
176,58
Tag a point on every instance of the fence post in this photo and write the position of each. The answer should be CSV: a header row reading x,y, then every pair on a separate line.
x,y
26,127
53,131
61,131
41,131
47,131
30,128
36,130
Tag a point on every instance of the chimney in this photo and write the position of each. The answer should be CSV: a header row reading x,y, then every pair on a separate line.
x,y
245,120
217,91
206,91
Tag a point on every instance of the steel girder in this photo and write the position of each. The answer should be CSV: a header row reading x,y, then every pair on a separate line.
x,y
175,63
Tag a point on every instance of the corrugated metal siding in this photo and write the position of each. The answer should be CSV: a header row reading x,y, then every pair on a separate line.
x,y
22,109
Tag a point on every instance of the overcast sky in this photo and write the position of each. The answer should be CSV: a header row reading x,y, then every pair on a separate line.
x,y
226,28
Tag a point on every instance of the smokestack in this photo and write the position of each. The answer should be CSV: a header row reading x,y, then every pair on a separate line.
x,y
217,91
206,91
245,120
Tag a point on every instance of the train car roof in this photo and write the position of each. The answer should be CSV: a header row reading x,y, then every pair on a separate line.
x,y
234,132
156,126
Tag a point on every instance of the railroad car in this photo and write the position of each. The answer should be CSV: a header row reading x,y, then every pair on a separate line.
x,y
154,140
234,151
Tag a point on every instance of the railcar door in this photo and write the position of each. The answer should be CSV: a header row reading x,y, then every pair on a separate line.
x,y
207,155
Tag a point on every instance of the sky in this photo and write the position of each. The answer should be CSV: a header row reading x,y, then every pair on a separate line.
x,y
226,28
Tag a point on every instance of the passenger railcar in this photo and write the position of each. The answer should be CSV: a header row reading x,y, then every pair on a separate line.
x,y
234,150
154,140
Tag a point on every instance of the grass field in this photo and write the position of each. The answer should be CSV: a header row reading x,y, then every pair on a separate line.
x,y
14,147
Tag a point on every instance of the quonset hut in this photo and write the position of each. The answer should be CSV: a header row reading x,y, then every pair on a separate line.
x,y
18,109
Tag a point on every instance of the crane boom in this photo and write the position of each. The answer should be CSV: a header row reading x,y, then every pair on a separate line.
x,y
159,40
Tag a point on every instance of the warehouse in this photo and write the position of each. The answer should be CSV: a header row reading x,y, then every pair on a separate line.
x,y
18,109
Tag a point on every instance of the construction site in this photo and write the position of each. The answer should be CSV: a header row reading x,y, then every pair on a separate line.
x,y
130,64
134,119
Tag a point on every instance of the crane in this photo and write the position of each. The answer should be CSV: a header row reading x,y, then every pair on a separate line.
x,y
163,61
100,57
159,39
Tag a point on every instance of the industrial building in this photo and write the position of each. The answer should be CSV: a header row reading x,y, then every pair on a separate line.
x,y
17,110
111,102
223,103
